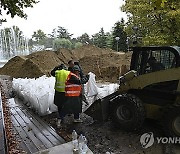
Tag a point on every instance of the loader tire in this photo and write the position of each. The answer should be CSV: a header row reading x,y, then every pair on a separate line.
x,y
171,122
128,112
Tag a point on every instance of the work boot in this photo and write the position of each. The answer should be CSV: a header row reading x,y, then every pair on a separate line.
x,y
77,120
58,123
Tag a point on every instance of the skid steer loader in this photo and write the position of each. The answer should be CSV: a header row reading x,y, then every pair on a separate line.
x,y
151,89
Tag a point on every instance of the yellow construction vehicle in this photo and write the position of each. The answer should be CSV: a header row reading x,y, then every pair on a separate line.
x,y
151,89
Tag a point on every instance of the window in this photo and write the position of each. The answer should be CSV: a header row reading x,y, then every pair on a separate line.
x,y
154,60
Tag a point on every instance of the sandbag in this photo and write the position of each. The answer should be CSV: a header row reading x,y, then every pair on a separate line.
x,y
91,87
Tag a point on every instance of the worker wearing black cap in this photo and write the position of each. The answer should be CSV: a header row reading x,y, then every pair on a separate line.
x,y
73,89
61,74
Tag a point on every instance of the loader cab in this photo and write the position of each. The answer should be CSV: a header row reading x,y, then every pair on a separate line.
x,y
151,59
159,92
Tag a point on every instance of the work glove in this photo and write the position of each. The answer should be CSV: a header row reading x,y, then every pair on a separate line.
x,y
87,76
85,79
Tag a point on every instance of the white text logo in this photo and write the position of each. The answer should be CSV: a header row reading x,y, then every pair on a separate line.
x,y
147,140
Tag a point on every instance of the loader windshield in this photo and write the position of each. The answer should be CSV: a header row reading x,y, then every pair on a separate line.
x,y
147,61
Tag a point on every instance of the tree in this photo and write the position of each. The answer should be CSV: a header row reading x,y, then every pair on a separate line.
x,y
39,36
118,31
53,34
63,33
159,3
99,39
109,40
15,7
84,39
156,26
78,45
61,43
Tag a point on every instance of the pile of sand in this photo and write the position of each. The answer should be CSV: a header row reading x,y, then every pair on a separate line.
x,y
105,63
65,55
33,65
12,66
106,66
89,50
45,60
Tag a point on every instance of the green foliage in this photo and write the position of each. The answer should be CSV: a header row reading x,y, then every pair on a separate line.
x,y
15,7
109,40
60,32
84,39
48,42
156,26
63,33
39,37
53,34
61,43
78,45
118,31
159,3
99,39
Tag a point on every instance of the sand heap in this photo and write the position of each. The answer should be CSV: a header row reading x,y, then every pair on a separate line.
x,y
65,55
89,50
12,66
105,63
33,65
106,66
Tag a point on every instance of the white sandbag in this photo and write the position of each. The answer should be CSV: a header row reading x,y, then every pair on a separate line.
x,y
37,93
43,105
91,87
33,101
52,106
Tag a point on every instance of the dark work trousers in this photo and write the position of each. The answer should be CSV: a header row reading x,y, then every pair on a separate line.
x,y
59,99
72,105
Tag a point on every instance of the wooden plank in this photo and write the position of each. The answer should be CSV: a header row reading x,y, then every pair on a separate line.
x,y
37,119
40,133
30,136
21,143
35,134
46,127
29,144
52,137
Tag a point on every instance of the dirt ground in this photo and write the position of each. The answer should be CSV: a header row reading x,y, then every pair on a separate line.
x,y
103,137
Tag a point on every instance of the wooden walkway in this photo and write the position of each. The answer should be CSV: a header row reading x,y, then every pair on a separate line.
x,y
32,132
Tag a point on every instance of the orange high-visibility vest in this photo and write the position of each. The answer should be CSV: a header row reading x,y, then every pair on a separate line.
x,y
72,89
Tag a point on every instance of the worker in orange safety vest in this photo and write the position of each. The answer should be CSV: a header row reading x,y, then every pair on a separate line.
x,y
73,89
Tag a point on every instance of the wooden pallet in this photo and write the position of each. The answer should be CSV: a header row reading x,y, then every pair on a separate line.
x,y
34,134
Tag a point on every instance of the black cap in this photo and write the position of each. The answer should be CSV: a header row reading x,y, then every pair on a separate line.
x,y
62,66
76,68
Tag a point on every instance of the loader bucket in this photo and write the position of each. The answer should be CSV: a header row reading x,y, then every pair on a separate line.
x,y
100,109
